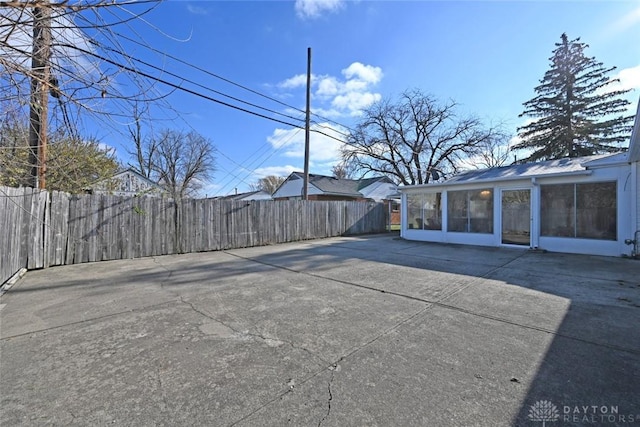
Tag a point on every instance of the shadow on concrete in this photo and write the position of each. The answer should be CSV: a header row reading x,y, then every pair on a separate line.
x,y
589,374
591,364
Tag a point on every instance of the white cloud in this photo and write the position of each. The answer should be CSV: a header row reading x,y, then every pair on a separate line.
x,y
328,86
327,112
334,97
17,40
352,94
345,96
283,171
314,8
299,80
629,78
355,102
107,148
209,189
197,10
322,148
361,72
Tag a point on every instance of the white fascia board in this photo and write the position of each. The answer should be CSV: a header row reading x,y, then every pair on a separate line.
x,y
443,186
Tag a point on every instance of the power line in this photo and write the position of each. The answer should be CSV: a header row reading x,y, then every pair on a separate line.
x,y
190,91
175,86
217,76
208,72
136,72
284,142
65,4
190,81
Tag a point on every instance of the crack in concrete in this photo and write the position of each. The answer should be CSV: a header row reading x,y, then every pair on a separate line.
x,y
441,304
333,374
161,389
332,366
165,268
259,336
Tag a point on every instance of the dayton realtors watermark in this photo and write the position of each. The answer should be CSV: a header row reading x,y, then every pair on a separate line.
x,y
545,411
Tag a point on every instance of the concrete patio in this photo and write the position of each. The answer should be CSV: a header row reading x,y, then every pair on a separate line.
x,y
369,330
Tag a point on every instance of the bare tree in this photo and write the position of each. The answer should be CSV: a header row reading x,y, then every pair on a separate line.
x,y
492,153
144,149
268,184
64,62
342,170
414,139
180,161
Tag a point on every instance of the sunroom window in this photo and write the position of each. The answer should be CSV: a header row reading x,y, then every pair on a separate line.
x,y
579,210
470,211
424,211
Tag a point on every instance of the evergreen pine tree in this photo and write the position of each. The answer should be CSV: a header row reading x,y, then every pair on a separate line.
x,y
575,113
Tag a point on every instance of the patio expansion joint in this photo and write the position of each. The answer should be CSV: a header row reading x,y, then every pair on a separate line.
x,y
91,319
440,302
257,335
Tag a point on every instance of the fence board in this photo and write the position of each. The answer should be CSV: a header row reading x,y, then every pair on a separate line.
x,y
41,229
11,220
59,226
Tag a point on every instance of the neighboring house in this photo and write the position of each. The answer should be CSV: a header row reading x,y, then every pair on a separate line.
x,y
587,205
251,195
128,183
323,187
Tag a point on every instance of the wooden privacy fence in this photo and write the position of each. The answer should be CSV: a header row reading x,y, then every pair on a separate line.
x,y
39,229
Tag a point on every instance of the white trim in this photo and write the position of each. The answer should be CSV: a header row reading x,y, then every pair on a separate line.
x,y
484,182
501,190
627,211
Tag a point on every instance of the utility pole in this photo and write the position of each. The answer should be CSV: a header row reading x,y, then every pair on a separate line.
x,y
38,113
307,130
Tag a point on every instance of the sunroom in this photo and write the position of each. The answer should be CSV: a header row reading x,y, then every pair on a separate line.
x,y
582,205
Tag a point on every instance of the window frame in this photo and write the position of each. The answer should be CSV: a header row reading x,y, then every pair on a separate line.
x,y
573,229
466,217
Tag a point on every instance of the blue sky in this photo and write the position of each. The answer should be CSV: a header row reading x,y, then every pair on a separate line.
x,y
486,55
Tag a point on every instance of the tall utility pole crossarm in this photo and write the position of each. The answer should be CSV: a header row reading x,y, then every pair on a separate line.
x,y
38,114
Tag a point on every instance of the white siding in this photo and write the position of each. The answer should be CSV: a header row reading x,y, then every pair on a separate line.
x,y
627,220
127,183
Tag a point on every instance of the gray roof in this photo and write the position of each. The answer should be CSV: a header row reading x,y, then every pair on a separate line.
x,y
250,195
527,170
335,186
340,186
566,166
